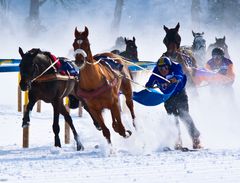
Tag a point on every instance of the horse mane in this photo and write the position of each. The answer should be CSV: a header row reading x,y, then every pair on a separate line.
x,y
34,51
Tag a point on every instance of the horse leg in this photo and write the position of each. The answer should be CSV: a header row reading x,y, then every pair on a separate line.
x,y
68,119
117,122
127,91
97,115
55,126
95,122
29,107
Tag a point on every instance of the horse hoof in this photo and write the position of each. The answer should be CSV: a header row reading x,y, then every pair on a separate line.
x,y
128,133
80,148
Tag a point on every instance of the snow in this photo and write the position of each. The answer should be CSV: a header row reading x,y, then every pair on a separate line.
x,y
141,157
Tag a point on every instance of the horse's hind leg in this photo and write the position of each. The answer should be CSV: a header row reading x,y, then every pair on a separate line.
x,y
117,122
55,126
29,107
68,119
97,115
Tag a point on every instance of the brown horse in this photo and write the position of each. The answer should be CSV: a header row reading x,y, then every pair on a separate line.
x,y
219,42
172,41
100,85
38,75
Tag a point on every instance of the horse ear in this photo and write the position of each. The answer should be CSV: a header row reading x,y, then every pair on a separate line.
x,y
125,39
177,27
165,28
216,39
86,32
193,33
202,33
76,33
20,52
134,39
224,38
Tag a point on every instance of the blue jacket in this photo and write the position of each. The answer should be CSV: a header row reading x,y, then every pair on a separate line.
x,y
165,87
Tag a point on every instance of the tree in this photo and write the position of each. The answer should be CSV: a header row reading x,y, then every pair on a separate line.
x,y
34,9
33,20
117,15
196,14
4,19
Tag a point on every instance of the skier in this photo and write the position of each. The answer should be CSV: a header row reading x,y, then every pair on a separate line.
x,y
177,104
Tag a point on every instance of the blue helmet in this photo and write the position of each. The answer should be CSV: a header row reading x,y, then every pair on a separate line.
x,y
164,61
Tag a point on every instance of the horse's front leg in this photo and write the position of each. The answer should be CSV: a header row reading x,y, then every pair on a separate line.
x,y
31,102
55,126
117,122
97,115
68,119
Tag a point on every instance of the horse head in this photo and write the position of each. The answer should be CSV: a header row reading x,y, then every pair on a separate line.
x,y
220,42
27,68
172,40
131,48
81,46
199,43
33,63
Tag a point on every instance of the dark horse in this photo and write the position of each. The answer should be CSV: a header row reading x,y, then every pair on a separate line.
x,y
172,41
219,42
38,75
100,85
131,50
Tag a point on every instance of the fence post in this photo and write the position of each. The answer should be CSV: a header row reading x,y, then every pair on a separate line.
x,y
19,94
80,109
67,128
25,130
39,106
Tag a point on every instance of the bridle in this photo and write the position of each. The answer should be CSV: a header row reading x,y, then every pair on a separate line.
x,y
80,51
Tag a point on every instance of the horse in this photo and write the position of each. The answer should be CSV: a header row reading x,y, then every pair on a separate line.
x,y
131,50
100,84
198,48
120,45
38,76
172,41
219,42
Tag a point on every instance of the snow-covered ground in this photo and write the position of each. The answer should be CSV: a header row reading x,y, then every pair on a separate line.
x,y
139,158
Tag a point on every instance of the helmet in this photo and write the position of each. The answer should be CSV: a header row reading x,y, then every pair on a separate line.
x,y
218,51
164,61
